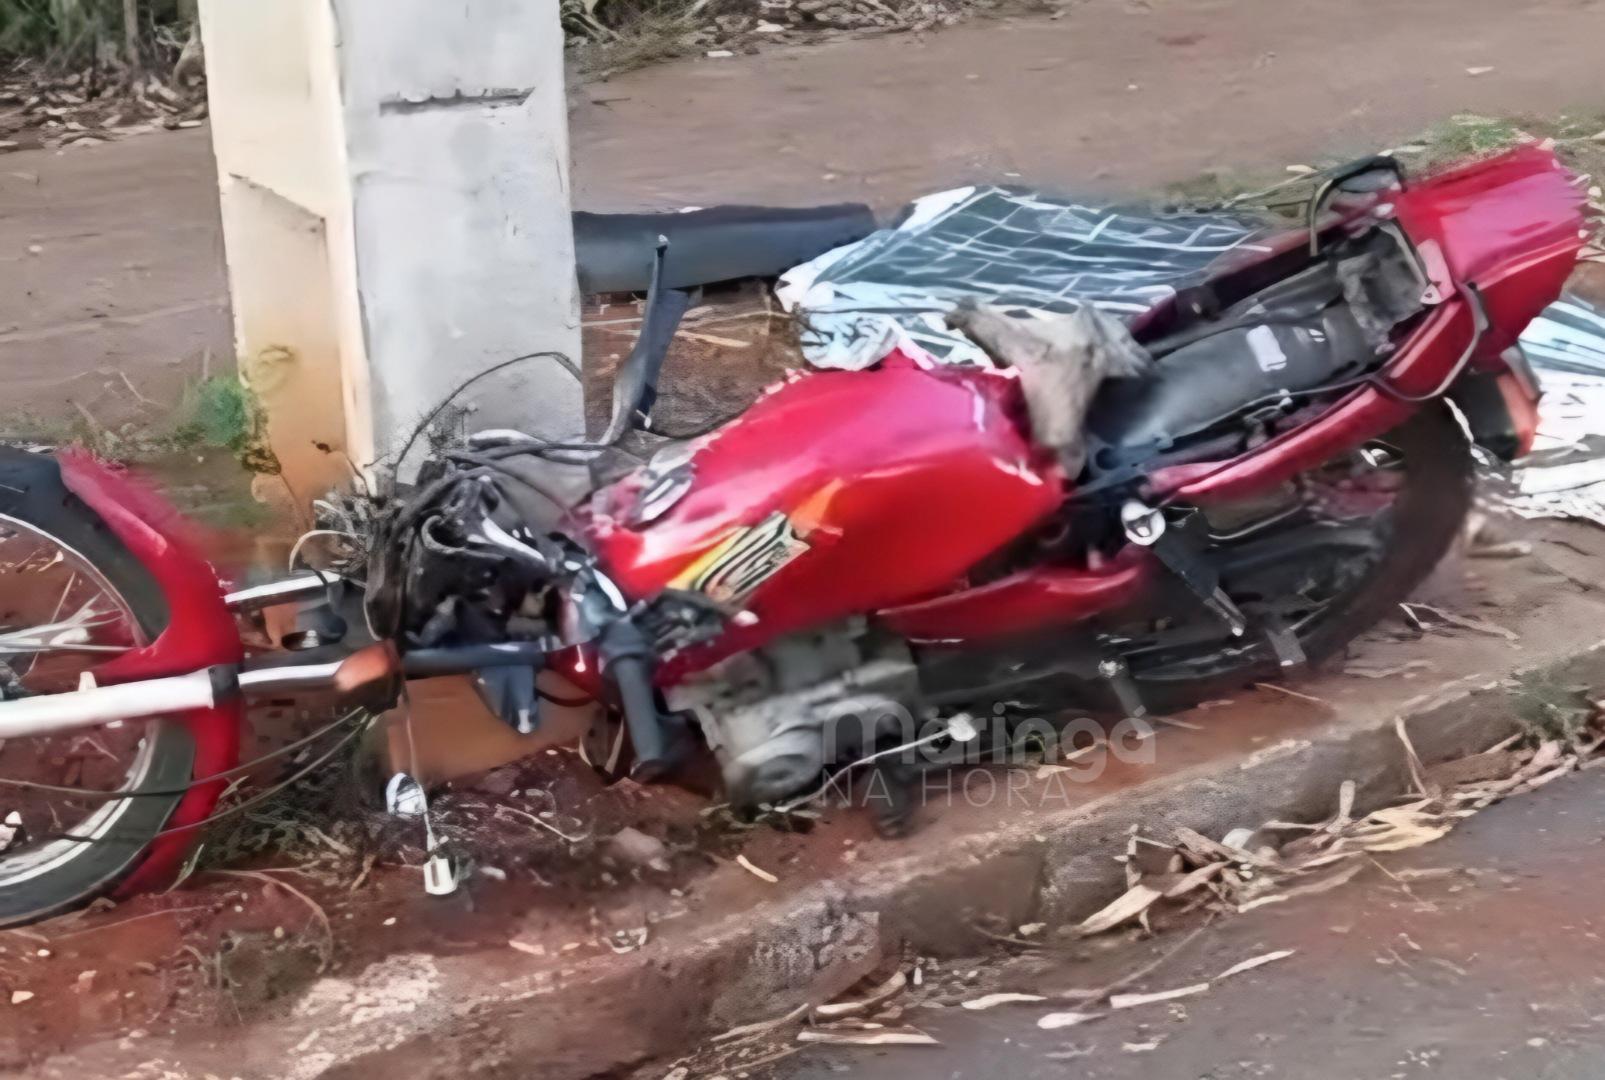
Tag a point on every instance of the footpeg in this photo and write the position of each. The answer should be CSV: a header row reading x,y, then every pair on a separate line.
x,y
1284,643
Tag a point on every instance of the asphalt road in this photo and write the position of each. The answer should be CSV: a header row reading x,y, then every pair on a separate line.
x,y
1495,970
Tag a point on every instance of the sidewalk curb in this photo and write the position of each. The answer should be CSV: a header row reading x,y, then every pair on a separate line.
x,y
484,1016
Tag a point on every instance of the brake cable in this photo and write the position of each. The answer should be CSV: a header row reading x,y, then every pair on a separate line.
x,y
153,793
212,819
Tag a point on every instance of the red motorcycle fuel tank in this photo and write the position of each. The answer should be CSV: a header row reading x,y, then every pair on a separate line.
x,y
836,493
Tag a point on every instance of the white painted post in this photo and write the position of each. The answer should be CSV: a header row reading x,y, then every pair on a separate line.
x,y
394,179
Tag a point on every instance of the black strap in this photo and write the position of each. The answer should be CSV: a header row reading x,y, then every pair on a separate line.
x,y
635,388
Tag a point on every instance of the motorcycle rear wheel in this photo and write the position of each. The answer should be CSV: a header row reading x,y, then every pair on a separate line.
x,y
1427,514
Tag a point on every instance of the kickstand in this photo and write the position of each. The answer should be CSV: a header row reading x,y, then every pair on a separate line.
x,y
405,797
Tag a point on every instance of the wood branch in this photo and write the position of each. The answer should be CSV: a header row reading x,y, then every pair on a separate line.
x,y
131,54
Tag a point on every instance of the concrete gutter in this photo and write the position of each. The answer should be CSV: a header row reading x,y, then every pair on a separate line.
x,y
834,918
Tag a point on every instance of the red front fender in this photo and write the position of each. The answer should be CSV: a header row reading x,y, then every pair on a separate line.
x,y
200,633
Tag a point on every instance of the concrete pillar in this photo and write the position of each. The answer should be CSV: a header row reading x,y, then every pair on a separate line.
x,y
394,178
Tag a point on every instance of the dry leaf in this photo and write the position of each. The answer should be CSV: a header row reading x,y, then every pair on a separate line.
x,y
1258,961
1411,758
1464,622
1131,1001
1132,903
989,1001
1188,882
1291,693
762,1026
890,988
756,871
1332,881
1197,841
905,1037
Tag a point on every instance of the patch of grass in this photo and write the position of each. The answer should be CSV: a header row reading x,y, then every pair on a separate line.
x,y
222,412
1469,135
219,413
1459,138
610,37
1550,711
636,49
1213,187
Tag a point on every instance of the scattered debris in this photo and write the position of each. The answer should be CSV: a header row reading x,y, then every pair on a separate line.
x,y
1509,549
1242,872
1131,1001
884,992
633,847
625,941
756,871
1289,692
1405,670
1140,1048
1126,907
89,107
1421,616
860,1037
1056,1020
18,997
1251,964
991,1001
1476,71
761,1027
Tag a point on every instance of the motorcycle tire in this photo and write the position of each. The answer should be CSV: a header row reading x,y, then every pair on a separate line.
x,y
1427,516
58,875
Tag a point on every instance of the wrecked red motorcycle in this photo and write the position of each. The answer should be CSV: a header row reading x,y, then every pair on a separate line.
x,y
1227,488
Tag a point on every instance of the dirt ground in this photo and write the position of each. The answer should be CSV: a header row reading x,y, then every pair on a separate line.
x,y
111,257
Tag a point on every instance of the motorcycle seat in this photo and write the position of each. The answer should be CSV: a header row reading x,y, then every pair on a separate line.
x,y
614,252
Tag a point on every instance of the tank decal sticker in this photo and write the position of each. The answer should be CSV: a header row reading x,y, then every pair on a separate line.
x,y
738,565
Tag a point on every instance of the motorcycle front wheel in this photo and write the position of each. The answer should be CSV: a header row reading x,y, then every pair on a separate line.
x,y
71,598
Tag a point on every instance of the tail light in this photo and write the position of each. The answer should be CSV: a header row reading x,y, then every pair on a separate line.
x,y
1519,387
1523,408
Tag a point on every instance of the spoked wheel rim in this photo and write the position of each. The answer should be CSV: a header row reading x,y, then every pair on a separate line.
x,y
1360,490
60,617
